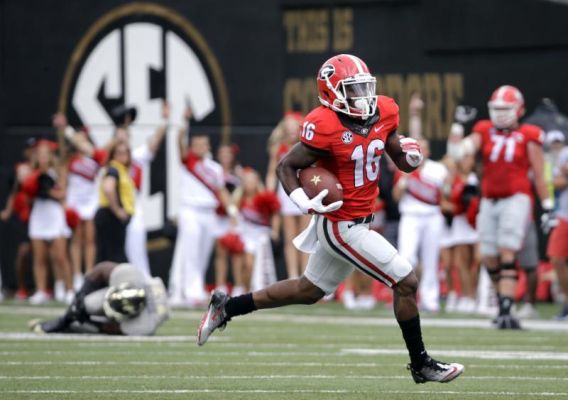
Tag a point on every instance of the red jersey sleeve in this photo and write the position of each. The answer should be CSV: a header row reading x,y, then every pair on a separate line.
x,y
388,112
534,134
482,128
316,131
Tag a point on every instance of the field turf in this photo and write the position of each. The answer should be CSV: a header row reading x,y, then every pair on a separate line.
x,y
318,352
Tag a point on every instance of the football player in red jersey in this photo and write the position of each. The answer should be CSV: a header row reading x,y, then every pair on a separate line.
x,y
509,151
346,135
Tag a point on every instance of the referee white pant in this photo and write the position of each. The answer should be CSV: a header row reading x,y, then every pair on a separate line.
x,y
420,234
136,238
197,228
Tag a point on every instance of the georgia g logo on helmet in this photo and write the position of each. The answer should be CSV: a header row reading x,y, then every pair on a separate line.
x,y
326,72
345,85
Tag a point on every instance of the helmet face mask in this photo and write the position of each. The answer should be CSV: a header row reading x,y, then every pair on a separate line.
x,y
124,302
506,107
345,85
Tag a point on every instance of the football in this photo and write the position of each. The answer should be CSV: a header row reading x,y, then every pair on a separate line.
x,y
316,179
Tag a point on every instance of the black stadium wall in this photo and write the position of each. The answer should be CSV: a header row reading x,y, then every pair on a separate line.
x,y
240,65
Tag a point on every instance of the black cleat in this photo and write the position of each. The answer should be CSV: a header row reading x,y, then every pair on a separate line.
x,y
436,371
507,322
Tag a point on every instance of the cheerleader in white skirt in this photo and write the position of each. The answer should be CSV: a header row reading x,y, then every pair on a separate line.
x,y
47,225
258,223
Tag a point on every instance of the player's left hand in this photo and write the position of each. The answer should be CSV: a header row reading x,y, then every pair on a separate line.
x,y
548,218
548,221
412,149
314,205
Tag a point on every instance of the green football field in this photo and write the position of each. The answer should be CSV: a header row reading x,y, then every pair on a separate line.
x,y
317,352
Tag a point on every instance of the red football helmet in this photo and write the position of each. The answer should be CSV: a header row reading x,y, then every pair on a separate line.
x,y
345,85
506,106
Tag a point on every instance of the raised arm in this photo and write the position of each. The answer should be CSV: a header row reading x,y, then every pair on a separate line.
x,y
77,139
182,135
158,137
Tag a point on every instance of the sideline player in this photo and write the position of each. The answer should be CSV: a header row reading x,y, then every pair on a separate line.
x,y
558,241
202,193
509,150
422,224
114,299
346,135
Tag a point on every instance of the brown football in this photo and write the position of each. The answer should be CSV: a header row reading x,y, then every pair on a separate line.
x,y
316,179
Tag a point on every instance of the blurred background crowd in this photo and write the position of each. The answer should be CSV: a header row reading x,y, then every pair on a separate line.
x,y
172,117
73,204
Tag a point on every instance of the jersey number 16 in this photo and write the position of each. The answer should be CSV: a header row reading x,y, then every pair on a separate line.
x,y
368,162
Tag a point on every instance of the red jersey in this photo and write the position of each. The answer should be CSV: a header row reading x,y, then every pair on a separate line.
x,y
353,158
135,173
251,213
87,167
506,162
456,194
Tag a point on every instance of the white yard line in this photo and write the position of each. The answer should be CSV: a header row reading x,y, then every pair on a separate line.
x,y
268,377
474,322
556,326
278,364
60,337
549,326
270,391
478,354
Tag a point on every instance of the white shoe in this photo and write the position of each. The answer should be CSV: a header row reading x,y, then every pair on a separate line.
x,y
366,302
349,300
237,291
77,282
486,311
451,302
527,311
466,305
39,297
59,291
69,297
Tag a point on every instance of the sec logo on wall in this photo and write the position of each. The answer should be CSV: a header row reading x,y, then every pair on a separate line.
x,y
136,55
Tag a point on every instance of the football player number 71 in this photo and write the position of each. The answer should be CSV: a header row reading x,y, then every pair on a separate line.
x,y
498,143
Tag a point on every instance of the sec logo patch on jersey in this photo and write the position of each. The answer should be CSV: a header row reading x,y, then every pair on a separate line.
x,y
347,137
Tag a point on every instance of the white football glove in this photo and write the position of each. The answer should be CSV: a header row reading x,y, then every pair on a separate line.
x,y
412,149
548,219
310,206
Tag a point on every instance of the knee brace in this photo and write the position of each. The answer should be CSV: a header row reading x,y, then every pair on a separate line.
x,y
494,274
509,271
398,268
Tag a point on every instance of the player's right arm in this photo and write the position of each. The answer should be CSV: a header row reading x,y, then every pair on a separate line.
x,y
302,156
474,139
404,152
